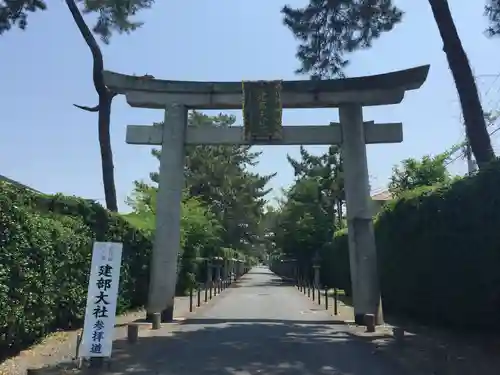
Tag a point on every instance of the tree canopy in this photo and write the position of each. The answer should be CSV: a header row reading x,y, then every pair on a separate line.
x,y
312,209
328,30
492,11
413,173
112,15
218,179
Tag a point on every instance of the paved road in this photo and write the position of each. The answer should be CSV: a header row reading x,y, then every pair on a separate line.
x,y
260,327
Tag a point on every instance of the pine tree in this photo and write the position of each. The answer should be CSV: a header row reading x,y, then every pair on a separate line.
x,y
219,177
328,30
112,15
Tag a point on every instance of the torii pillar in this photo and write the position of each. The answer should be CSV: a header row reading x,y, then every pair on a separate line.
x,y
349,95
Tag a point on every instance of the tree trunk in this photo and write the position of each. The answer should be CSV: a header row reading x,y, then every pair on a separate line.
x,y
475,124
108,174
103,108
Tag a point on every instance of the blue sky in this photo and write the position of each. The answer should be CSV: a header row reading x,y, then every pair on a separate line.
x,y
50,145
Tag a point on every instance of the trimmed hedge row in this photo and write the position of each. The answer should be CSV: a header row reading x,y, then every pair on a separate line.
x,y
439,253
45,244
45,255
334,264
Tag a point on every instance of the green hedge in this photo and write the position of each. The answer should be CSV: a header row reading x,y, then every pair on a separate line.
x,y
334,270
45,255
45,252
439,253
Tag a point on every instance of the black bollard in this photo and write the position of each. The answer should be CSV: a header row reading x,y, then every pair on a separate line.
x,y
335,302
319,295
314,292
206,293
326,298
190,299
198,302
308,290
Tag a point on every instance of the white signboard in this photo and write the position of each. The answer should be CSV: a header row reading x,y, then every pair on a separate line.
x,y
98,329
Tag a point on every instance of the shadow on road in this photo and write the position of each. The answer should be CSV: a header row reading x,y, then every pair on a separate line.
x,y
217,347
211,321
272,283
255,272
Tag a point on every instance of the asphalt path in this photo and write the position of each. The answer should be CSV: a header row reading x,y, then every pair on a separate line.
x,y
261,326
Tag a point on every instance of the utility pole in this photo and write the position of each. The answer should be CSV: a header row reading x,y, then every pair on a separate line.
x,y
471,164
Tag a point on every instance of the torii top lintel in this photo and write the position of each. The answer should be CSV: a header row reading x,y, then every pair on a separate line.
x,y
381,89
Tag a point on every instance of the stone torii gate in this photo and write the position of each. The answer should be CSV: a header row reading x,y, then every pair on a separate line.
x,y
352,133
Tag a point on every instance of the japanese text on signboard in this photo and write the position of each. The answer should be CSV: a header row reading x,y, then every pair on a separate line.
x,y
101,300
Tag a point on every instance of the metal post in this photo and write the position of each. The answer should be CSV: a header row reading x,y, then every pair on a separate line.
x,y
190,299
335,301
218,278
198,302
78,344
326,298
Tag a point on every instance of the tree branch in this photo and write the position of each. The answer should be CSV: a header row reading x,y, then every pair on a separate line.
x,y
88,109
92,44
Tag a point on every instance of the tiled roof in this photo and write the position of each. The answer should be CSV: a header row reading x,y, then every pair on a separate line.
x,y
383,195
